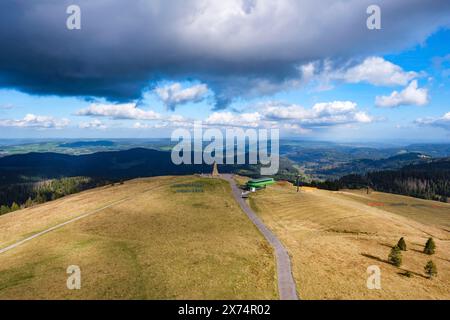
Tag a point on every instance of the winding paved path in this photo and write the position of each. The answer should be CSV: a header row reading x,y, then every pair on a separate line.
x,y
286,283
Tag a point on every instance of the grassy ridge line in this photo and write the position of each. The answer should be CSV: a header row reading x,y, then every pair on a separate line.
x,y
60,225
163,244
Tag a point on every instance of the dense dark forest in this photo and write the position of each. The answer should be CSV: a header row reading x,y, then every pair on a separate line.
x,y
428,181
23,195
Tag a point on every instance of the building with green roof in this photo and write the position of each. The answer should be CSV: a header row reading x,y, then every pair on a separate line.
x,y
260,183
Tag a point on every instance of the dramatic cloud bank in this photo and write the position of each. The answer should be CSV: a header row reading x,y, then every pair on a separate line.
x,y
237,48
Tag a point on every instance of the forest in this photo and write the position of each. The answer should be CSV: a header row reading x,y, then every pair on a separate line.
x,y
23,195
427,181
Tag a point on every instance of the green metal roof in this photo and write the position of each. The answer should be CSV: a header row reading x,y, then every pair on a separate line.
x,y
261,180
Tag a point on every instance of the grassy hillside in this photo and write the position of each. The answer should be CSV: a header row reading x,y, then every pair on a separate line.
x,y
169,238
424,211
333,237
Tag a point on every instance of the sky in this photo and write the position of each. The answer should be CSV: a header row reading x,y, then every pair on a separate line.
x,y
313,70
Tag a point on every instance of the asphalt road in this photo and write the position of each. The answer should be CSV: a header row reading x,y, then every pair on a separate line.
x,y
286,284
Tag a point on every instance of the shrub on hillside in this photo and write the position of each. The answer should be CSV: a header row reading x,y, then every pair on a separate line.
x,y
15,207
430,269
402,244
430,247
4,209
28,203
408,274
395,256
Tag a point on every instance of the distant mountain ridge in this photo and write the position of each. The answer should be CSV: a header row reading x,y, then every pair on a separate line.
x,y
111,165
362,166
126,164
22,175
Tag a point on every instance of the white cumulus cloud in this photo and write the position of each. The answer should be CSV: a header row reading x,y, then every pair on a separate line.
x,y
231,119
119,111
174,94
35,121
320,115
372,70
377,71
293,117
411,95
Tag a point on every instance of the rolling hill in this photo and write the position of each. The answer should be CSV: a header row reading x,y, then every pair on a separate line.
x,y
362,166
158,238
186,237
333,237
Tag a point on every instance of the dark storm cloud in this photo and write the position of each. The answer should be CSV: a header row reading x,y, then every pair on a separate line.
x,y
240,48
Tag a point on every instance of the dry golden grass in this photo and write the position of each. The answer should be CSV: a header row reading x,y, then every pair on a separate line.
x,y
20,224
428,212
333,237
160,244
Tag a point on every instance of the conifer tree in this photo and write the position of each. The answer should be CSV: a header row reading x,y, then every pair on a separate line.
x,y
430,269
395,256
402,244
430,247
4,209
15,207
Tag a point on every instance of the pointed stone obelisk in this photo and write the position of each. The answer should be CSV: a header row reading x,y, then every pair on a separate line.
x,y
215,172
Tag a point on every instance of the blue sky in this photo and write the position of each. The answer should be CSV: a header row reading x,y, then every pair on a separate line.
x,y
397,93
